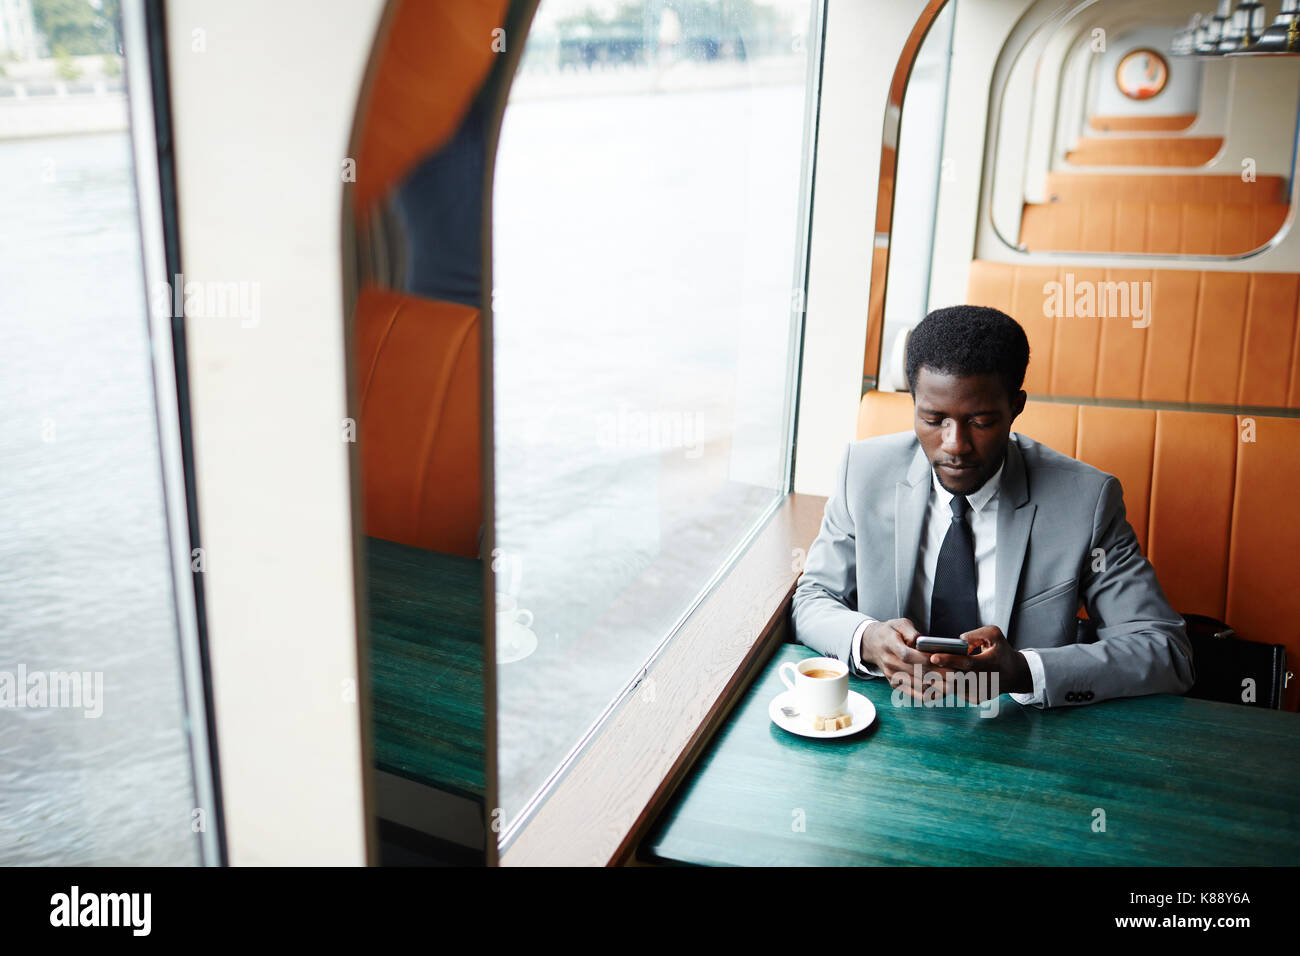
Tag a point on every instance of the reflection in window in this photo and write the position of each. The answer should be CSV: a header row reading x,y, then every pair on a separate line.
x,y
1090,160
94,764
646,218
919,138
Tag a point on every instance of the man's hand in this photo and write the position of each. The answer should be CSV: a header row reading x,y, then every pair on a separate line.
x,y
993,654
891,646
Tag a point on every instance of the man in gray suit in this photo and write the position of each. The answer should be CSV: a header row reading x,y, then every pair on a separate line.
x,y
960,529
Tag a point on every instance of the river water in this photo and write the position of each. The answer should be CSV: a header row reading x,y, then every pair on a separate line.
x,y
644,261
84,578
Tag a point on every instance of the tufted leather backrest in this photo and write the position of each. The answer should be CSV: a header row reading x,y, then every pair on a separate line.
x,y
1136,151
1209,496
1194,187
1214,338
418,379
1145,227
1118,124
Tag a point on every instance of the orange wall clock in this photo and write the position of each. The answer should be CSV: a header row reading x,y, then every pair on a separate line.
x,y
1142,74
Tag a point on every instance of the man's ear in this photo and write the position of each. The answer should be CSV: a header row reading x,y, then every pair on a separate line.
x,y
1018,404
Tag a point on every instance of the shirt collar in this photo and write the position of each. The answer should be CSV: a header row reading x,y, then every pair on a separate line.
x,y
976,499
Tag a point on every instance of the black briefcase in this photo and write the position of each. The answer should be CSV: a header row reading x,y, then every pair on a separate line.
x,y
1228,669
1234,671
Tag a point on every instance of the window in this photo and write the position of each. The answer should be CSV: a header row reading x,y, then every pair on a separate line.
x,y
96,741
649,196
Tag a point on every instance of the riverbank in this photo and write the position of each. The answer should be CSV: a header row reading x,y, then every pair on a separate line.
x,y
38,117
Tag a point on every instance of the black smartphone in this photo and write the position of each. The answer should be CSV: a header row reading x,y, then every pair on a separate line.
x,y
942,645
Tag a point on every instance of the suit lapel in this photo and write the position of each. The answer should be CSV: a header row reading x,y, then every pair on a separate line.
x,y
911,499
1015,518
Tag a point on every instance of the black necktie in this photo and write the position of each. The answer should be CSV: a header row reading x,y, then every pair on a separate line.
x,y
954,607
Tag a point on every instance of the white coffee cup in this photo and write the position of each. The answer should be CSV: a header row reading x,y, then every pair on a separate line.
x,y
818,696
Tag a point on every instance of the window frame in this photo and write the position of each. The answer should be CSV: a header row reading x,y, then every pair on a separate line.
x,y
296,770
145,73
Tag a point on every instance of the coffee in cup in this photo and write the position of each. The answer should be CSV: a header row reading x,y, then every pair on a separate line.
x,y
822,673
820,685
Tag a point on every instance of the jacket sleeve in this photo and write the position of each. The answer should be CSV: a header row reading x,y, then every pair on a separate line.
x,y
825,602
1142,645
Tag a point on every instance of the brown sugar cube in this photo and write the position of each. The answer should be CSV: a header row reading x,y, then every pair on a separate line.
x,y
844,720
819,723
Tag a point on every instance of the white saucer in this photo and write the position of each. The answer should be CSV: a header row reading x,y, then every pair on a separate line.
x,y
516,645
860,709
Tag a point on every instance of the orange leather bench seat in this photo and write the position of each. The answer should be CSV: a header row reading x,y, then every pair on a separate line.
x,y
1143,124
418,379
1212,338
1209,495
1191,188
1170,228
1136,151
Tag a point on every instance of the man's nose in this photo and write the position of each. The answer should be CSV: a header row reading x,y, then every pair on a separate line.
x,y
956,439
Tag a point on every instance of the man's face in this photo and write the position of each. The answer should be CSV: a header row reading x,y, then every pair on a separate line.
x,y
964,424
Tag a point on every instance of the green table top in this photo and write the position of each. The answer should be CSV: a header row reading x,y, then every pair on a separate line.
x,y
426,666
1181,782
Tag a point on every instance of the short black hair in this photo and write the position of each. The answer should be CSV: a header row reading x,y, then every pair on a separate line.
x,y
969,340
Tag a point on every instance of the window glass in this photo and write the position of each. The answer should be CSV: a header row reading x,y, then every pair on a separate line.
x,y
94,761
648,196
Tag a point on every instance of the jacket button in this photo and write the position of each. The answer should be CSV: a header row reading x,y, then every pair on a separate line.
x,y
1087,695
1069,696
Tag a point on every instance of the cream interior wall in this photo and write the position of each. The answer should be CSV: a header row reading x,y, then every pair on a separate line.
x,y
863,44
260,141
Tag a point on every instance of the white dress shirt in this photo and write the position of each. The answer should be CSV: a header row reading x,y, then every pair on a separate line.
x,y
983,518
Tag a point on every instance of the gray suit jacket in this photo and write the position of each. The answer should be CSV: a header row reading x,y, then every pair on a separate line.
x,y
1054,513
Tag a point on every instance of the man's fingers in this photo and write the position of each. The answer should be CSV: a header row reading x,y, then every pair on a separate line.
x,y
956,662
889,663
906,630
903,683
942,663
931,677
896,672
985,636
910,655
984,661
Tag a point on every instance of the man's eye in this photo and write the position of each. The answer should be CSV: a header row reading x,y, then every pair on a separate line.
x,y
983,424
933,423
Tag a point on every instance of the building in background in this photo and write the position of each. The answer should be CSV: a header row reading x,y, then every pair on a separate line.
x,y
18,37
